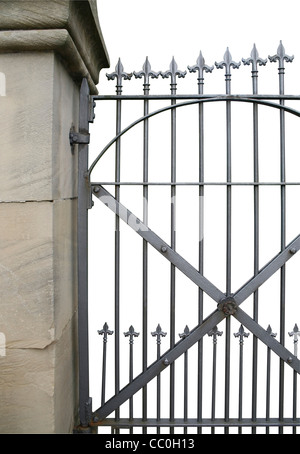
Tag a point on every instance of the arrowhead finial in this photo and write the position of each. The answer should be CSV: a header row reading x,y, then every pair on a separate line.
x,y
241,334
147,73
158,333
200,67
172,72
227,63
254,59
131,334
281,56
269,331
105,332
214,333
119,74
185,333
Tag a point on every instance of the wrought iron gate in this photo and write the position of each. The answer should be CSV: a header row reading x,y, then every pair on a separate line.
x,y
216,309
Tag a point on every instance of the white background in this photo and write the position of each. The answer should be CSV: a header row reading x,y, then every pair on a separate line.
x,y
132,30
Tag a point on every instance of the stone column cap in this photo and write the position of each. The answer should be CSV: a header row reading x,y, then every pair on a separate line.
x,y
68,27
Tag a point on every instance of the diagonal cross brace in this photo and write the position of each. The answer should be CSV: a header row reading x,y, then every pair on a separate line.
x,y
216,317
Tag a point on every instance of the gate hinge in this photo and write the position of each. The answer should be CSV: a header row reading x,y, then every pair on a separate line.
x,y
76,138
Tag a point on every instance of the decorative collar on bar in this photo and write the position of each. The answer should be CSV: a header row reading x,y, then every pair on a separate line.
x,y
227,63
147,73
281,57
173,72
158,333
119,74
255,60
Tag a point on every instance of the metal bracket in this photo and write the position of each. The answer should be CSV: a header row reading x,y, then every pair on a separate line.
x,y
77,138
228,306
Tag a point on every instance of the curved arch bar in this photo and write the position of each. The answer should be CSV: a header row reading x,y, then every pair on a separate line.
x,y
189,103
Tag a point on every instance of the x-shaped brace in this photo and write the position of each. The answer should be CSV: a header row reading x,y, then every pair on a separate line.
x,y
227,305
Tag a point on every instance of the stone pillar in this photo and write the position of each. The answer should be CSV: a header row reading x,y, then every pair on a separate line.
x,y
46,48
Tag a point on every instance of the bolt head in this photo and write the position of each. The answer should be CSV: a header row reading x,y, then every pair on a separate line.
x,y
166,362
228,306
163,249
96,189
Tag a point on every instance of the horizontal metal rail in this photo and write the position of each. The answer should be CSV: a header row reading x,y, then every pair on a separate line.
x,y
125,423
195,183
183,96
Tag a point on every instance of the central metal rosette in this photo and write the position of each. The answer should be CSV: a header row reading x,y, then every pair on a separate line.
x,y
228,306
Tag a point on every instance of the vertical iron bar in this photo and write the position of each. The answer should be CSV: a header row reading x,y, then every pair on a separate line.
x,y
185,380
214,333
145,248
105,332
119,74
173,72
200,67
281,57
227,63
82,257
131,334
295,333
146,73
241,334
158,333
283,241
255,60
268,385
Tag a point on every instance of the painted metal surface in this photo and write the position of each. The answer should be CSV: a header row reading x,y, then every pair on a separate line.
x,y
225,305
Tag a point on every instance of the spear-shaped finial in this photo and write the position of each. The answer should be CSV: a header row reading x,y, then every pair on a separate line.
x,y
269,331
131,334
200,66
241,334
119,74
281,56
147,73
227,63
105,332
254,59
296,334
158,333
185,333
172,72
214,333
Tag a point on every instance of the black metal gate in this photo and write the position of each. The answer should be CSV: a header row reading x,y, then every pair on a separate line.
x,y
238,313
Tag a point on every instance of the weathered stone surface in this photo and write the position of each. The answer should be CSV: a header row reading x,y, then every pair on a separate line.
x,y
26,274
37,271
27,391
64,263
26,127
65,114
38,388
78,18
40,107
